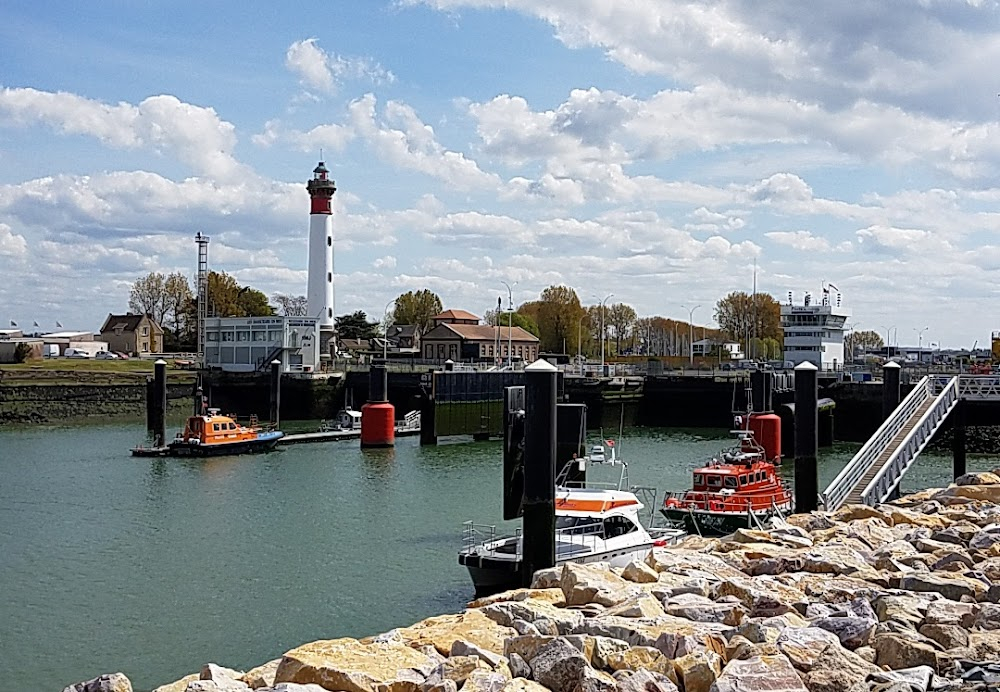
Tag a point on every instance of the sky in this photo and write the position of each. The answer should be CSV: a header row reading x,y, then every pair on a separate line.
x,y
657,151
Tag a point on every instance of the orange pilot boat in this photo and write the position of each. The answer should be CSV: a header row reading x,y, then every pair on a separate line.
x,y
739,488
214,434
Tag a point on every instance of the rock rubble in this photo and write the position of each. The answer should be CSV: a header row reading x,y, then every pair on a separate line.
x,y
904,597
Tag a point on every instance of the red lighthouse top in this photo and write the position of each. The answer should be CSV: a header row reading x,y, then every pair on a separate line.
x,y
321,190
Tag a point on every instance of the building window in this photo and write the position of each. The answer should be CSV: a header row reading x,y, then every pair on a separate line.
x,y
243,336
329,241
211,336
228,336
145,345
145,331
428,352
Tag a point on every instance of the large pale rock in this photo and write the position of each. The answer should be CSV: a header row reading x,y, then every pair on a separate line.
x,y
952,587
524,685
595,681
558,666
698,671
701,609
988,617
225,679
530,610
899,651
948,636
552,595
642,632
642,658
526,646
349,665
823,664
856,512
904,609
639,605
547,578
763,596
442,631
853,632
901,515
261,676
836,589
771,673
639,572
985,493
110,682
458,668
485,681
987,537
582,584
644,681
978,478
691,564
984,646
945,612
815,521
178,685
834,559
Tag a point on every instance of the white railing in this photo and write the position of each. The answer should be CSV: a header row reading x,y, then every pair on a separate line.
x,y
869,453
487,541
879,488
411,421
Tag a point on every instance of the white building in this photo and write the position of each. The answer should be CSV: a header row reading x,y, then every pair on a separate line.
x,y
707,347
814,331
249,344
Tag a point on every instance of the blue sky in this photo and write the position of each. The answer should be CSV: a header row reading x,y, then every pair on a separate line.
x,y
651,149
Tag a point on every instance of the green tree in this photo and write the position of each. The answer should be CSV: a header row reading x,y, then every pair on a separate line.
x,y
226,298
356,326
148,296
22,352
622,319
176,295
514,319
417,307
558,315
859,342
743,317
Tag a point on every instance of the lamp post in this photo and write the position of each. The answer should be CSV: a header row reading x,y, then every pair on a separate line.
x,y
920,341
510,323
691,333
888,342
606,299
385,330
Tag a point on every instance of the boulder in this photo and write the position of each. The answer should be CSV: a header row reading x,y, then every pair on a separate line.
x,y
349,665
953,560
960,493
551,595
952,587
978,478
897,651
582,584
944,612
644,681
687,563
639,572
904,609
179,685
816,521
524,685
595,681
558,666
485,681
642,632
547,578
639,605
457,669
641,658
532,611
849,513
823,664
771,673
948,636
853,632
225,679
519,668
901,515
763,596
261,676
442,631
988,617
698,671
110,682
701,609
604,648
984,646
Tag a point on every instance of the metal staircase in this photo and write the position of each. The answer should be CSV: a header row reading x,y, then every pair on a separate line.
x,y
874,473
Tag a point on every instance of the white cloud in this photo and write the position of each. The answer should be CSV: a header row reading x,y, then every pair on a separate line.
x,y
387,262
11,244
319,70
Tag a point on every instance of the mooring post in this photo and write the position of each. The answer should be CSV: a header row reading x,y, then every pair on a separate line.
x,y
159,403
806,440
275,392
890,388
539,525
571,431
378,416
958,440
199,398
427,421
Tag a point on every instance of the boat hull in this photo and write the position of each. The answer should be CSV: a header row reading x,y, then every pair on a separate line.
x,y
716,523
264,442
492,574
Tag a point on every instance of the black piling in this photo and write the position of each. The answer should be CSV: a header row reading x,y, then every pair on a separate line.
x,y
275,393
157,404
806,438
198,399
571,431
428,434
958,440
513,452
761,389
378,382
890,389
539,524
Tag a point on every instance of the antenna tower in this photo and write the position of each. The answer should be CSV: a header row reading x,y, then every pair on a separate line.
x,y
202,241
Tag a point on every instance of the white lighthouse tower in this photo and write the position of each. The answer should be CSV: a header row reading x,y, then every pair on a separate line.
x,y
319,296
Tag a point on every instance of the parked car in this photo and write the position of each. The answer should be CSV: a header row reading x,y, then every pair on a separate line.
x,y
106,355
76,353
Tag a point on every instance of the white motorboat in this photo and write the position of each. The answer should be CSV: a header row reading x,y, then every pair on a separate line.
x,y
592,525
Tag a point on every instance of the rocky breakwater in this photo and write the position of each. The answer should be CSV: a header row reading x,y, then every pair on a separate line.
x,y
902,597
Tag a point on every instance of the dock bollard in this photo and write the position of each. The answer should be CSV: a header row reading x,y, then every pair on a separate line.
x,y
275,392
541,382
890,389
158,403
806,439
958,440
378,416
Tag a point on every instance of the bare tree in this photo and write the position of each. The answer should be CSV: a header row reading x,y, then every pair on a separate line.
x,y
290,306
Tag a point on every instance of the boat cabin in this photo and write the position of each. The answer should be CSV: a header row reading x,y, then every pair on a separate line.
x,y
349,419
722,478
215,429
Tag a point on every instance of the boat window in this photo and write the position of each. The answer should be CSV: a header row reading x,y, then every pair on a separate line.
x,y
730,481
232,426
714,481
617,526
744,479
577,525
699,479
215,427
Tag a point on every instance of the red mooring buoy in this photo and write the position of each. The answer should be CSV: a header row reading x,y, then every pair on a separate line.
x,y
378,424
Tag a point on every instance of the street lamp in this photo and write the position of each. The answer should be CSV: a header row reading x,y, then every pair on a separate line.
x,y
920,336
385,330
888,342
691,333
510,323
606,298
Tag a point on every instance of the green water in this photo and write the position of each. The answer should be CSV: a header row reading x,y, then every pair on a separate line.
x,y
153,567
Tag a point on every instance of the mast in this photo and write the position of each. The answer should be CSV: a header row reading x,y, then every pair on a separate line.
x,y
754,310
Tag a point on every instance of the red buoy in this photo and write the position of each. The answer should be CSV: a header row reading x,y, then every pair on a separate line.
x,y
766,428
378,424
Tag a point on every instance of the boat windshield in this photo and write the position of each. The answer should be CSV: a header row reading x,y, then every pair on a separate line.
x,y
577,525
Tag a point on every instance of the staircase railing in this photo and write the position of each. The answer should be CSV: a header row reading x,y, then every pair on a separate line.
x,y
869,453
882,485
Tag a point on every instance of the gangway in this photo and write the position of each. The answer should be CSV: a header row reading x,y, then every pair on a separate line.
x,y
874,473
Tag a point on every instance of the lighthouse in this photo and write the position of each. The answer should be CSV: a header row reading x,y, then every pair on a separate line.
x,y
319,295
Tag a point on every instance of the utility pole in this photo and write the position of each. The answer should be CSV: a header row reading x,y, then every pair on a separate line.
x,y
691,333
510,324
606,298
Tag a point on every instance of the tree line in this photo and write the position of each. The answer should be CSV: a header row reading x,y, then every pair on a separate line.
x,y
562,323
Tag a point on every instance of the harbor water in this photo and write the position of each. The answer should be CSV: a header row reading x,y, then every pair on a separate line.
x,y
153,567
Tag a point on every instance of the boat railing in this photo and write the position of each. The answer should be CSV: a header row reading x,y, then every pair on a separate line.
x,y
485,539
